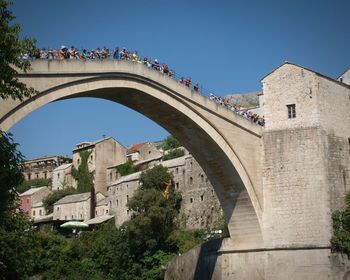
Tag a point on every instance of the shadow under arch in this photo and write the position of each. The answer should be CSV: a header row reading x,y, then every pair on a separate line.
x,y
174,113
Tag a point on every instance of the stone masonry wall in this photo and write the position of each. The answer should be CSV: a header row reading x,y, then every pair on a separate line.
x,y
296,205
306,158
338,159
287,85
200,206
334,107
121,194
207,262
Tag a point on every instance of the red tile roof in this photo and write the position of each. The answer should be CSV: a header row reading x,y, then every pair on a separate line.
x,y
135,148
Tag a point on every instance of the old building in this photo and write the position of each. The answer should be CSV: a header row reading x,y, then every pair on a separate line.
x,y
103,206
38,211
41,168
143,151
143,156
103,153
200,207
120,192
31,198
62,177
75,207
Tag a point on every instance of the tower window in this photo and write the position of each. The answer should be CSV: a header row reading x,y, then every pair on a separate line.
x,y
291,111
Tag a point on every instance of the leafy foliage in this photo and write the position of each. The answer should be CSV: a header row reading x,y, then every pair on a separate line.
x,y
127,168
82,174
10,172
11,48
35,183
184,240
175,153
155,178
52,198
152,220
171,143
340,240
16,235
17,246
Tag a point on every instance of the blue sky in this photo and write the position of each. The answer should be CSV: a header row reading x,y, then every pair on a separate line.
x,y
227,46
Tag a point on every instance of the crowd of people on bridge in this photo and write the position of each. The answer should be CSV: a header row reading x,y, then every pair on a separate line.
x,y
123,54
236,108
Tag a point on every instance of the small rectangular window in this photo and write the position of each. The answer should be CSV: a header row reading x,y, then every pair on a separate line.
x,y
291,111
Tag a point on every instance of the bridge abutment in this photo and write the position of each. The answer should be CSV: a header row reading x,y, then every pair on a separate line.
x,y
207,262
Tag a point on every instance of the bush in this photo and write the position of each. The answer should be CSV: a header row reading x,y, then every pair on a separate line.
x,y
174,154
171,143
36,183
155,178
340,241
127,168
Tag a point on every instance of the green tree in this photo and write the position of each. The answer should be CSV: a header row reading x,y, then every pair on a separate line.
x,y
17,246
16,235
184,240
171,143
52,198
155,178
340,240
82,174
11,49
127,168
35,183
175,153
10,173
153,216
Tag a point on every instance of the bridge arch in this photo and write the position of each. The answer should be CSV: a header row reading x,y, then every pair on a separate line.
x,y
183,113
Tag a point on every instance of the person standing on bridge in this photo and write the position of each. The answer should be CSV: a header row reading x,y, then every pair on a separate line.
x,y
63,52
122,54
116,53
135,57
127,55
196,87
92,55
188,82
83,55
98,53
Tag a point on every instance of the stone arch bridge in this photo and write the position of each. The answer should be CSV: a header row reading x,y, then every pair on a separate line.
x,y
277,186
227,146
